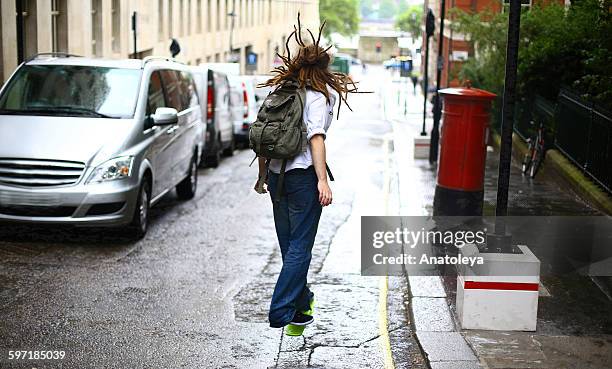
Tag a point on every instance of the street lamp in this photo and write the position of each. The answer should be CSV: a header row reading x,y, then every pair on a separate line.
x,y
232,14
429,30
501,240
435,131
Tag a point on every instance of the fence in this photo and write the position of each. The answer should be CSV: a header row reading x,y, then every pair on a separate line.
x,y
583,133
536,109
581,130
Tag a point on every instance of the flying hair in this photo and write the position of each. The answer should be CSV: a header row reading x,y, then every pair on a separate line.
x,y
310,68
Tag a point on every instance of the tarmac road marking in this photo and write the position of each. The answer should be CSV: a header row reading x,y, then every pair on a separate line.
x,y
384,281
383,323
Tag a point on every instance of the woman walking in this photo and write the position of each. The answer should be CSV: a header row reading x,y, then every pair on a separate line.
x,y
299,186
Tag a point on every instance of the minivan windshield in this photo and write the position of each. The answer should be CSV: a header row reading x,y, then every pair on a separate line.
x,y
72,90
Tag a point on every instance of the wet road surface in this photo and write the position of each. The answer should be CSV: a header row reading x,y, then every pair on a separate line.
x,y
195,291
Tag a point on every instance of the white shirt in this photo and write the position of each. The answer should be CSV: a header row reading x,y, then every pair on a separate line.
x,y
318,115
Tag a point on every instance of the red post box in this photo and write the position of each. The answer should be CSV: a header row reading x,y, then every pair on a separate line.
x,y
463,150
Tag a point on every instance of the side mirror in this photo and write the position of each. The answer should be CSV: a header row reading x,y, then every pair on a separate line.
x,y
165,116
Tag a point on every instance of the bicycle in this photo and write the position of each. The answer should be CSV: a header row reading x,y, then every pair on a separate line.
x,y
535,153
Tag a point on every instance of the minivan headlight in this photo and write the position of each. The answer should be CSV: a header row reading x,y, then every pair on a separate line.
x,y
113,169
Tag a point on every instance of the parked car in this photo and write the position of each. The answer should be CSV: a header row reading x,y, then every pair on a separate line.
x,y
239,110
229,69
261,92
393,63
246,86
213,90
96,142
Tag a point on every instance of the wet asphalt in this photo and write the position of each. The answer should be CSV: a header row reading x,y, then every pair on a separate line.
x,y
194,292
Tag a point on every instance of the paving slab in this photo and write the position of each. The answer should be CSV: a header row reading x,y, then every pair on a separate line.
x,y
445,346
527,350
426,286
456,365
293,360
431,314
368,355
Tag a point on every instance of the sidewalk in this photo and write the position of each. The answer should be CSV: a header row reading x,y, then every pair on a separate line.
x,y
575,317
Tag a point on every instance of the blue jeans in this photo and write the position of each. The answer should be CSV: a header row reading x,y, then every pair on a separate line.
x,y
296,218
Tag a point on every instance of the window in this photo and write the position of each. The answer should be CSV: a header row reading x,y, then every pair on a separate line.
x,y
173,89
160,20
72,90
155,97
262,14
240,13
188,94
218,15
96,27
227,11
189,30
30,27
181,12
199,16
523,3
59,25
170,18
208,17
116,15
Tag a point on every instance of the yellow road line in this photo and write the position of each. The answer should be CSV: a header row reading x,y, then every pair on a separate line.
x,y
383,329
385,342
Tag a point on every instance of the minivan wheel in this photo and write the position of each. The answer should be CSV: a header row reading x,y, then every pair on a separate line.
x,y
229,150
213,160
186,190
140,220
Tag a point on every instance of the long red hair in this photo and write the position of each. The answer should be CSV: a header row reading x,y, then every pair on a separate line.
x,y
310,68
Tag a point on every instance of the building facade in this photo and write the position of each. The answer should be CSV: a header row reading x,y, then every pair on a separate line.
x,y
104,28
378,41
455,48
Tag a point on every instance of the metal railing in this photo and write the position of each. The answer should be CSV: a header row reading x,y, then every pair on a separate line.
x,y
579,129
584,134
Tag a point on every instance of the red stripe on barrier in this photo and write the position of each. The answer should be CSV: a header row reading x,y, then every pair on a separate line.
x,y
507,286
422,145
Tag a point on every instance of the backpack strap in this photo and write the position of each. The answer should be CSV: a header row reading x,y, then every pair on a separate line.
x,y
281,179
301,94
329,173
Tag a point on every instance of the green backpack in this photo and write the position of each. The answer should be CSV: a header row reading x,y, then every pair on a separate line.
x,y
279,131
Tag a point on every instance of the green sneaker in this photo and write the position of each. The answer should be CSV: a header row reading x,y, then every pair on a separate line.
x,y
311,310
298,330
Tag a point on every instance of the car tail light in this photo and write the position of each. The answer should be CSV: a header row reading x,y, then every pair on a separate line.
x,y
245,97
210,103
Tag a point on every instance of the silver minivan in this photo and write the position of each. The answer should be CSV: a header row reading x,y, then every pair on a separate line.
x,y
96,142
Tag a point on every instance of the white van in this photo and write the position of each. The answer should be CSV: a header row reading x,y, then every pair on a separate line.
x,y
244,85
214,92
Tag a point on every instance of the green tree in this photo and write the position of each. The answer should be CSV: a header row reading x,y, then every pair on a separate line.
x,y
387,9
342,16
486,31
410,20
558,47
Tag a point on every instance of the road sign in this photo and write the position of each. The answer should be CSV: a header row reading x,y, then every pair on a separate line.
x,y
251,61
